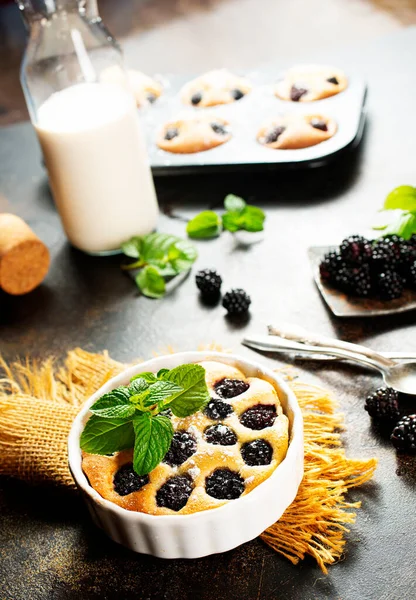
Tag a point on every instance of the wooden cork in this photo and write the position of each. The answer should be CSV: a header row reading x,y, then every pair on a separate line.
x,y
24,259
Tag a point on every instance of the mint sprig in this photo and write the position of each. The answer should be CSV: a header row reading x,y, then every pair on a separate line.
x,y
238,216
158,258
398,215
129,416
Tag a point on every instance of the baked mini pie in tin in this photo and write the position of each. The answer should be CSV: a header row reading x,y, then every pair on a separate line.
x,y
195,133
216,456
307,83
295,131
214,88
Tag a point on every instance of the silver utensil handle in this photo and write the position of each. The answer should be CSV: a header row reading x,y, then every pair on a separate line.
x,y
298,334
268,344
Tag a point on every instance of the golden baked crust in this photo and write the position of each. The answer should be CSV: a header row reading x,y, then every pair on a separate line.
x,y
145,89
297,131
314,80
215,87
194,134
100,470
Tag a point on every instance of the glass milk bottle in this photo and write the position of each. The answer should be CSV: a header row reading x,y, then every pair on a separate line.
x,y
87,124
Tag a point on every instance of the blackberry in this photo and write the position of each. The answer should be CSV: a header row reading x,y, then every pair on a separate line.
x,y
183,445
296,92
389,285
355,250
174,494
259,416
383,404
273,134
217,409
411,276
256,453
171,133
319,124
220,435
354,280
209,283
230,388
330,266
333,80
404,434
385,255
218,128
237,94
224,484
196,98
126,480
236,302
412,241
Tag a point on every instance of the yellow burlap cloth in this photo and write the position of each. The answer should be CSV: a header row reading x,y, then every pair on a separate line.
x,y
38,403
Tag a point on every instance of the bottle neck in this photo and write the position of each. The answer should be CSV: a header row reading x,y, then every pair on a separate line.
x,y
36,10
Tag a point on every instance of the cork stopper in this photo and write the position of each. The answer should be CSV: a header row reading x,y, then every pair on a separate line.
x,y
24,259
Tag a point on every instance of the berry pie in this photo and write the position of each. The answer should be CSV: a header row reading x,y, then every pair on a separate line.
x,y
292,132
194,134
310,82
216,456
215,87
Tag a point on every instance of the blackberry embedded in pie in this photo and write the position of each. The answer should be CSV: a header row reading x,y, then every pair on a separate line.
x,y
216,456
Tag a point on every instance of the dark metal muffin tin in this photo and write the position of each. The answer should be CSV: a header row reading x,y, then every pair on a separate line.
x,y
246,116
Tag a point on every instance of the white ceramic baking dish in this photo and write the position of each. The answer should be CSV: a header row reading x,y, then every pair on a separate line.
x,y
210,531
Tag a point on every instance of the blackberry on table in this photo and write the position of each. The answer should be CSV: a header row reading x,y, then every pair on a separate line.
x,y
182,447
383,404
208,282
174,494
224,484
259,416
126,480
217,410
404,434
236,302
220,435
355,250
389,285
256,453
230,388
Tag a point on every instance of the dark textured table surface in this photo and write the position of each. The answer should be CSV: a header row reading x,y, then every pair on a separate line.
x,y
49,548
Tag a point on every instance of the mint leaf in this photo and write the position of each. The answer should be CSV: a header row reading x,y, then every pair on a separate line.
x,y
182,255
138,385
105,436
205,225
404,226
114,404
132,247
195,392
250,219
253,219
162,373
150,282
147,376
161,390
234,203
153,436
155,247
403,197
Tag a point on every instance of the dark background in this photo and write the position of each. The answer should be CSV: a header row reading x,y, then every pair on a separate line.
x,y
49,548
